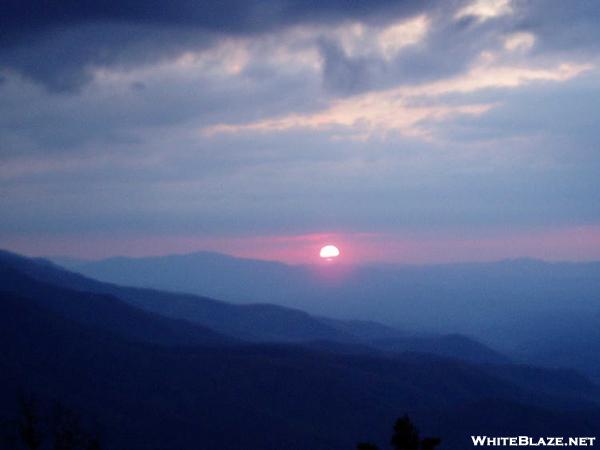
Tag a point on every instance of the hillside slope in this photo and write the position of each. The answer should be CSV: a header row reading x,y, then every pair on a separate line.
x,y
258,322
264,397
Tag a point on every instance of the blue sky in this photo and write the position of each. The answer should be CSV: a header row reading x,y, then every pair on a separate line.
x,y
417,131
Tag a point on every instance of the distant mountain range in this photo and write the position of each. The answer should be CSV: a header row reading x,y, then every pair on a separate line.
x,y
546,313
258,322
150,381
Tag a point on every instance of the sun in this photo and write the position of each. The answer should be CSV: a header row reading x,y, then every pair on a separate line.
x,y
329,252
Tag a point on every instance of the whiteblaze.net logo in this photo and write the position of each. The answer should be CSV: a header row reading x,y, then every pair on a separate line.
x,y
527,441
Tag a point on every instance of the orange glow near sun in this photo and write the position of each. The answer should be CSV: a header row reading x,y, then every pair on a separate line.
x,y
329,251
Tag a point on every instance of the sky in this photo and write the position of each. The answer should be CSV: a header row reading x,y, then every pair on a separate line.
x,y
416,131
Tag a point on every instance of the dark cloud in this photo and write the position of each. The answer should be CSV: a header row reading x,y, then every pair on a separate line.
x,y
35,122
55,43
61,59
229,16
344,75
449,47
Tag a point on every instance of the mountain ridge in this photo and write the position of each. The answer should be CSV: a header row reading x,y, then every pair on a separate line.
x,y
258,322
532,310
149,395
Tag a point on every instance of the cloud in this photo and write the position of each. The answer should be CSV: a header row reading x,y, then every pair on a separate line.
x,y
63,46
558,117
560,26
483,10
389,110
363,116
519,42
58,45
292,117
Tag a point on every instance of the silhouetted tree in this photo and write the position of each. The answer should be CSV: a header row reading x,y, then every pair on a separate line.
x,y
93,443
68,434
366,446
9,434
65,429
406,436
29,422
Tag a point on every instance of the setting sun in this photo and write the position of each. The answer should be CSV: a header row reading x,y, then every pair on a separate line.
x,y
329,251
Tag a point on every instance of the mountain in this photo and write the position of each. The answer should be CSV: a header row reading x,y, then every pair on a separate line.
x,y
151,382
204,273
538,312
108,313
451,346
258,322
269,396
376,292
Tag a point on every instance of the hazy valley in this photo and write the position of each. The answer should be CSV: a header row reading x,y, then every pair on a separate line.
x,y
171,370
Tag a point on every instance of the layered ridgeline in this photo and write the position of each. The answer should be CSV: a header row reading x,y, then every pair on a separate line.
x,y
545,313
149,381
256,322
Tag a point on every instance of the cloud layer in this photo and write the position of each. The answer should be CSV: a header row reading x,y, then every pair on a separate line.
x,y
232,120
